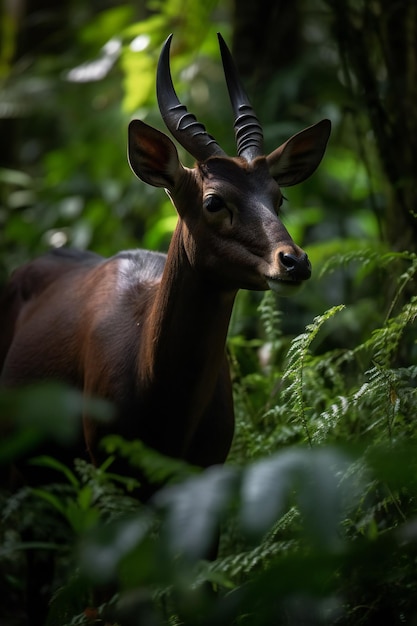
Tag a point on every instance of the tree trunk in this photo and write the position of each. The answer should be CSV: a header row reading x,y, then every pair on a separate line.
x,y
265,36
378,46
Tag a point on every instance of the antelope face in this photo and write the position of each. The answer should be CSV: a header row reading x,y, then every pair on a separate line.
x,y
229,206
241,240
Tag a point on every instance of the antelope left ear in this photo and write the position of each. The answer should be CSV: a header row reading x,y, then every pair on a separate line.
x,y
152,156
296,159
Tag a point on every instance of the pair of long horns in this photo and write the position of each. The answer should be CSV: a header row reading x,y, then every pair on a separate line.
x,y
189,132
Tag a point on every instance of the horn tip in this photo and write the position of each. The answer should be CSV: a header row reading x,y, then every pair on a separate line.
x,y
167,42
222,44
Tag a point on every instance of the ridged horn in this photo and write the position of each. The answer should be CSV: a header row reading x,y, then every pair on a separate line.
x,y
183,125
248,131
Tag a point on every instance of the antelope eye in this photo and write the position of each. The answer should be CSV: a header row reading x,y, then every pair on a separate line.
x,y
281,202
213,203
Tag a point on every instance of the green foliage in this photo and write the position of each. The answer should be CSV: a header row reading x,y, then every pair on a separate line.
x,y
43,411
318,532
299,360
317,502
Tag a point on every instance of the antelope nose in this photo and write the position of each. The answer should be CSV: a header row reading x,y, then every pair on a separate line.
x,y
297,267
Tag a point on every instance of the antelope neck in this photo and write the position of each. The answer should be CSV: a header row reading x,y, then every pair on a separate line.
x,y
183,341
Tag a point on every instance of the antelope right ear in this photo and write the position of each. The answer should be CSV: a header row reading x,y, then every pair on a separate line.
x,y
299,157
152,156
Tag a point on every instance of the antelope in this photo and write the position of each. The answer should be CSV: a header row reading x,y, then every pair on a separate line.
x,y
147,331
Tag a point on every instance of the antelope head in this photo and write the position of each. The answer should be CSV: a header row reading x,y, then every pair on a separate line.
x,y
228,206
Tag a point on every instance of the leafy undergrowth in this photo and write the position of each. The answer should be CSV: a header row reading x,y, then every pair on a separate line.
x,y
316,505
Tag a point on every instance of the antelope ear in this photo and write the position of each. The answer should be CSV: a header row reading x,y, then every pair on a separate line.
x,y
152,156
298,157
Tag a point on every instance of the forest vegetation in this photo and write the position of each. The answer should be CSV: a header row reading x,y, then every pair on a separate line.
x,y
317,501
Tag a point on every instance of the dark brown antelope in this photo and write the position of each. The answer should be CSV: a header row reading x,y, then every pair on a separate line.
x,y
147,331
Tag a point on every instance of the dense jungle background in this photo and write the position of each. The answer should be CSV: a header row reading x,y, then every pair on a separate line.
x,y
317,502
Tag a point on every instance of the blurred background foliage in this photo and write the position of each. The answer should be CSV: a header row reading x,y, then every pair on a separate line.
x,y
321,533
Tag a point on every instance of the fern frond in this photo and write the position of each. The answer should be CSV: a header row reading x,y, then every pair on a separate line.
x,y
384,341
403,280
387,398
365,256
328,420
298,356
271,317
277,542
369,259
